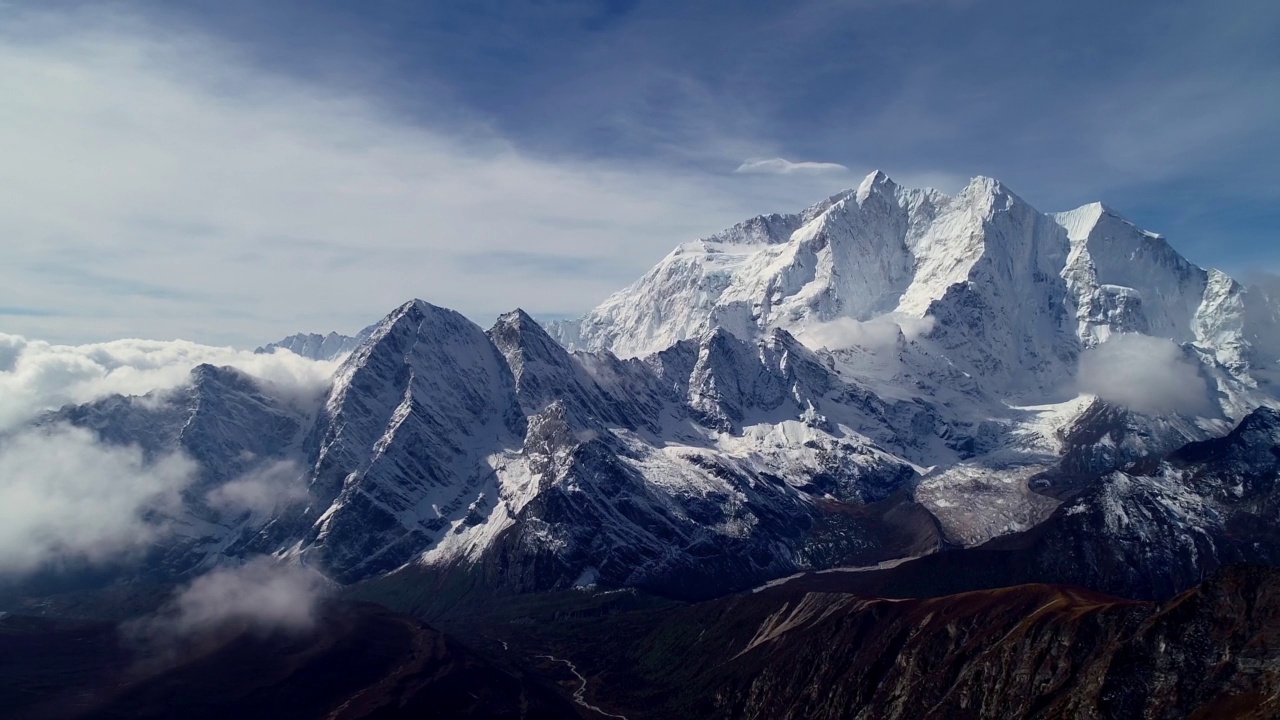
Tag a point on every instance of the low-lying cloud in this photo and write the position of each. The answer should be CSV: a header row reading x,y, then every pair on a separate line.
x,y
37,376
879,333
263,594
782,166
65,497
1145,374
278,484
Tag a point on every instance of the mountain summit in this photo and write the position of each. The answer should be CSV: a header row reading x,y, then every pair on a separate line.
x,y
1012,294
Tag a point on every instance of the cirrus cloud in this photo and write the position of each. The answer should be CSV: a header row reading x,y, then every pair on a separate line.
x,y
781,166
164,184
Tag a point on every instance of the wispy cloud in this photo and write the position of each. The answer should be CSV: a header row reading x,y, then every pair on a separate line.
x,y
171,153
161,215
780,166
877,335
263,594
26,311
543,264
274,485
1145,374
67,498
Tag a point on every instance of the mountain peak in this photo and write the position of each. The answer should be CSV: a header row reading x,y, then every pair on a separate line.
x,y
875,183
1081,221
984,186
418,305
517,319
416,313
1263,418
522,340
206,377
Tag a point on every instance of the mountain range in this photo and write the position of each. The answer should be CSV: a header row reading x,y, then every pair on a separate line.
x,y
894,393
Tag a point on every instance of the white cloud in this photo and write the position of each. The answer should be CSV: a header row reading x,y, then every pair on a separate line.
x,y
880,333
1145,374
161,184
66,497
780,166
36,376
263,594
277,484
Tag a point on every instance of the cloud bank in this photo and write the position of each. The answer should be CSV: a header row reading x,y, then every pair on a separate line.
x,y
780,166
1145,374
66,497
37,376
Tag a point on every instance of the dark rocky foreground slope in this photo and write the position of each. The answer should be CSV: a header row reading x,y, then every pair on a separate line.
x,y
1032,651
358,661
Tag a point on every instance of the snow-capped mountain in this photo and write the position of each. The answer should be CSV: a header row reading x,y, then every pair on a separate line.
x,y
1009,291
318,347
888,373
245,437
977,307
401,445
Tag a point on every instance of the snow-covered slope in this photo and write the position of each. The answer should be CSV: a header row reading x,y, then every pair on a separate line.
x,y
401,444
975,308
1003,291
646,474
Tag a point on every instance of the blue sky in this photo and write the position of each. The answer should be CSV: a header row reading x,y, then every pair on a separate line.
x,y
233,170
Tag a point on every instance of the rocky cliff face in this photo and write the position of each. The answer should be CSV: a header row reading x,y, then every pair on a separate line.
x,y
402,444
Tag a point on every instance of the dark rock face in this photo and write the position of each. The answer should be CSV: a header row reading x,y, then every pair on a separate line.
x,y
585,469
603,516
608,393
608,471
